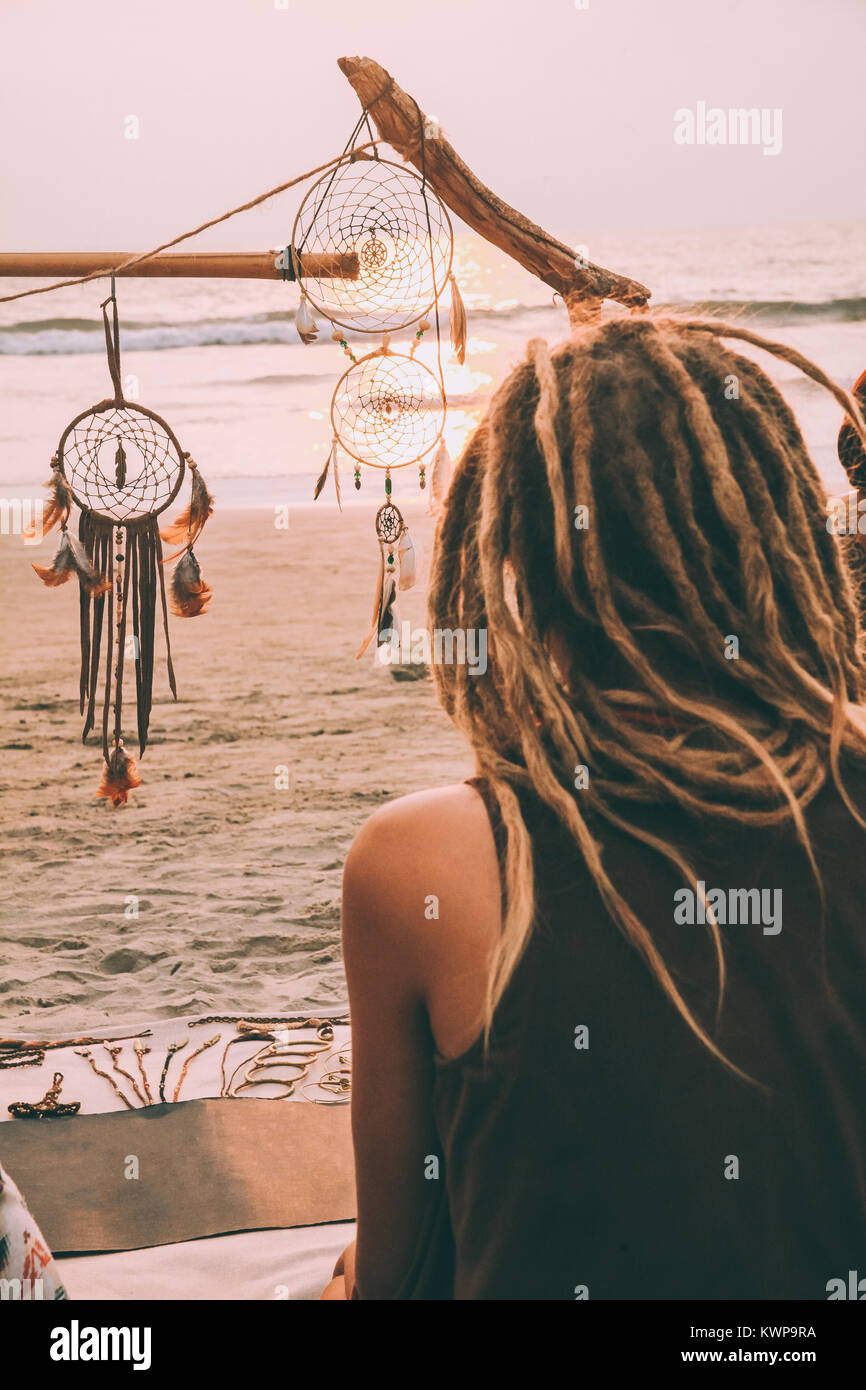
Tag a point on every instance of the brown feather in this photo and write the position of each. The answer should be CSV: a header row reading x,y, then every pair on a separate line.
x,y
119,776
57,509
458,321
189,593
323,476
71,558
377,608
186,528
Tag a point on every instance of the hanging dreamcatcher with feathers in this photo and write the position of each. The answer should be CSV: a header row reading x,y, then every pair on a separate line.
x,y
388,409
122,466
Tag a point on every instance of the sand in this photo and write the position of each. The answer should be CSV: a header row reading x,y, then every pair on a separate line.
x,y
235,882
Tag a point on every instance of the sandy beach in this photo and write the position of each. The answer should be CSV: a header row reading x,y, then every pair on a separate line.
x,y
235,882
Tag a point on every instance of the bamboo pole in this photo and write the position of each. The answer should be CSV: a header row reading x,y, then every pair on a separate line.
x,y
238,265
399,121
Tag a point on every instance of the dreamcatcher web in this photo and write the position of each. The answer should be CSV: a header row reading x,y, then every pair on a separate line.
x,y
121,463
389,524
400,232
388,410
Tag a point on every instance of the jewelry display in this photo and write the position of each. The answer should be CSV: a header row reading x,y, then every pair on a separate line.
x,y
141,1051
248,1037
114,1051
85,1053
25,1057
49,1107
280,1052
267,1081
338,1080
268,1063
245,1023
172,1049
279,1057
14,1052
191,1058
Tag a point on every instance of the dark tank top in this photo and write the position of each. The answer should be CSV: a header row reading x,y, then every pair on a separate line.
x,y
599,1150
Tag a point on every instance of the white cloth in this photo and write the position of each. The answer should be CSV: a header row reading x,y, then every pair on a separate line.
x,y
289,1264
294,1263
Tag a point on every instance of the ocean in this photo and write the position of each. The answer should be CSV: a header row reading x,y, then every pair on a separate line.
x,y
222,361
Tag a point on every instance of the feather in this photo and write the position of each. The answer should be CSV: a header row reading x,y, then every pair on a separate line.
x,y
337,480
441,478
377,608
458,321
58,508
186,529
408,561
323,476
389,620
308,329
71,558
120,464
119,776
189,593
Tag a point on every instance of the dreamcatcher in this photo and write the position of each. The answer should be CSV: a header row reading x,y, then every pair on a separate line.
x,y
122,465
388,409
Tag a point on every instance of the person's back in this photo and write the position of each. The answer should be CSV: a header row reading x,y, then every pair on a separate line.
x,y
609,1001
599,1150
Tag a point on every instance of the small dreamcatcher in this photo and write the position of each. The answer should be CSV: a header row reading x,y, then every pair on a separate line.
x,y
397,570
388,409
122,465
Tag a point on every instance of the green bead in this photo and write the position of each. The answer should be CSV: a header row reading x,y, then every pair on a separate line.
x,y
387,487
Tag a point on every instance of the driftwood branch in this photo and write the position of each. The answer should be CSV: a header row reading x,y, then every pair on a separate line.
x,y
400,121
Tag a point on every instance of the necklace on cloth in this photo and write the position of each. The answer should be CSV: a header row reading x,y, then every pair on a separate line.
x,y
49,1107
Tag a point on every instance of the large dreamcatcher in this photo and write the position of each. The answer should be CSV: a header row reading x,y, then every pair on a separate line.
x,y
388,409
122,465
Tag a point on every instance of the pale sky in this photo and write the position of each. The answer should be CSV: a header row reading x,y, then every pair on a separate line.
x,y
568,113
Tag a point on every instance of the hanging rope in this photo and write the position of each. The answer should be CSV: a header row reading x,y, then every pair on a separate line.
x,y
185,236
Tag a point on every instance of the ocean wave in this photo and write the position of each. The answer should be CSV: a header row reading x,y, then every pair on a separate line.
x,y
774,310
72,336
778,310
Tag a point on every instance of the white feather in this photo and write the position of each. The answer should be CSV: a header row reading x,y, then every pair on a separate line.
x,y
408,560
441,477
308,329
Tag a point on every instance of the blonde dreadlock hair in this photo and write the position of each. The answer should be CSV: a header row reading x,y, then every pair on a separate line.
x,y
706,519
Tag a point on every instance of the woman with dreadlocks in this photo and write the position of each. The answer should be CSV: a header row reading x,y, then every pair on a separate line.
x,y
609,997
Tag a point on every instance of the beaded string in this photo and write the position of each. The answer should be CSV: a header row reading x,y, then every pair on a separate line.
x,y
172,1049
114,1052
141,1050
211,1042
86,1053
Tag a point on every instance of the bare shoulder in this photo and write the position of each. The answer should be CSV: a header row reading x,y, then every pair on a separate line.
x,y
421,902
417,832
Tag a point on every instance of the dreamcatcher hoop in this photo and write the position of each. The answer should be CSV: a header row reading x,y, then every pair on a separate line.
x,y
398,228
87,457
390,525
388,410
